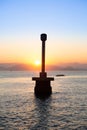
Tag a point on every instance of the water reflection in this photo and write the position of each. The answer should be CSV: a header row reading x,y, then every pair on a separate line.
x,y
42,113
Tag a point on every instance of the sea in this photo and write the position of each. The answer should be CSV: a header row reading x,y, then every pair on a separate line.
x,y
65,109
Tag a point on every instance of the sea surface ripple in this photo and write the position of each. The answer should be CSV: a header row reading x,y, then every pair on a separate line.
x,y
65,109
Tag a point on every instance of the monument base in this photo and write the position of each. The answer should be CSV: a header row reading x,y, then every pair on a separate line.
x,y
42,86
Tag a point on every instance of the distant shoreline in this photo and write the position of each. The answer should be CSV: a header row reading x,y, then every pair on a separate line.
x,y
24,67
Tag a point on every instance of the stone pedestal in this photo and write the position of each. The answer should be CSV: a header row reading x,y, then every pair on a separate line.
x,y
42,86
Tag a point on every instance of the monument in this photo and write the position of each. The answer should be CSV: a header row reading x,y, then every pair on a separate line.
x,y
43,85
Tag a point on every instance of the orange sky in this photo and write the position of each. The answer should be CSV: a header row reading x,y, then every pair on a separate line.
x,y
57,51
22,23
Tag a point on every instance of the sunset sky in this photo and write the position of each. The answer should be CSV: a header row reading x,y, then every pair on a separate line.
x,y
22,22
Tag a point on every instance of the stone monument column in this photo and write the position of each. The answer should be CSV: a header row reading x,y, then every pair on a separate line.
x,y
42,86
43,39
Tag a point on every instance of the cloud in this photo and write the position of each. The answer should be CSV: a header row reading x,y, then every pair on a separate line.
x,y
23,67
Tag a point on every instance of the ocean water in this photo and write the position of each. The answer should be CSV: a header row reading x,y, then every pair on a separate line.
x,y
65,109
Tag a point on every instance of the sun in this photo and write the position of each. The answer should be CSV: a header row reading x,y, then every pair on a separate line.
x,y
37,63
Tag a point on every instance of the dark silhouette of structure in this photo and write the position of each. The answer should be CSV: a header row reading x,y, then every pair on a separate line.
x,y
43,87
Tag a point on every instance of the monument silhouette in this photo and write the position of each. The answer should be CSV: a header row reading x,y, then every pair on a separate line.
x,y
43,85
